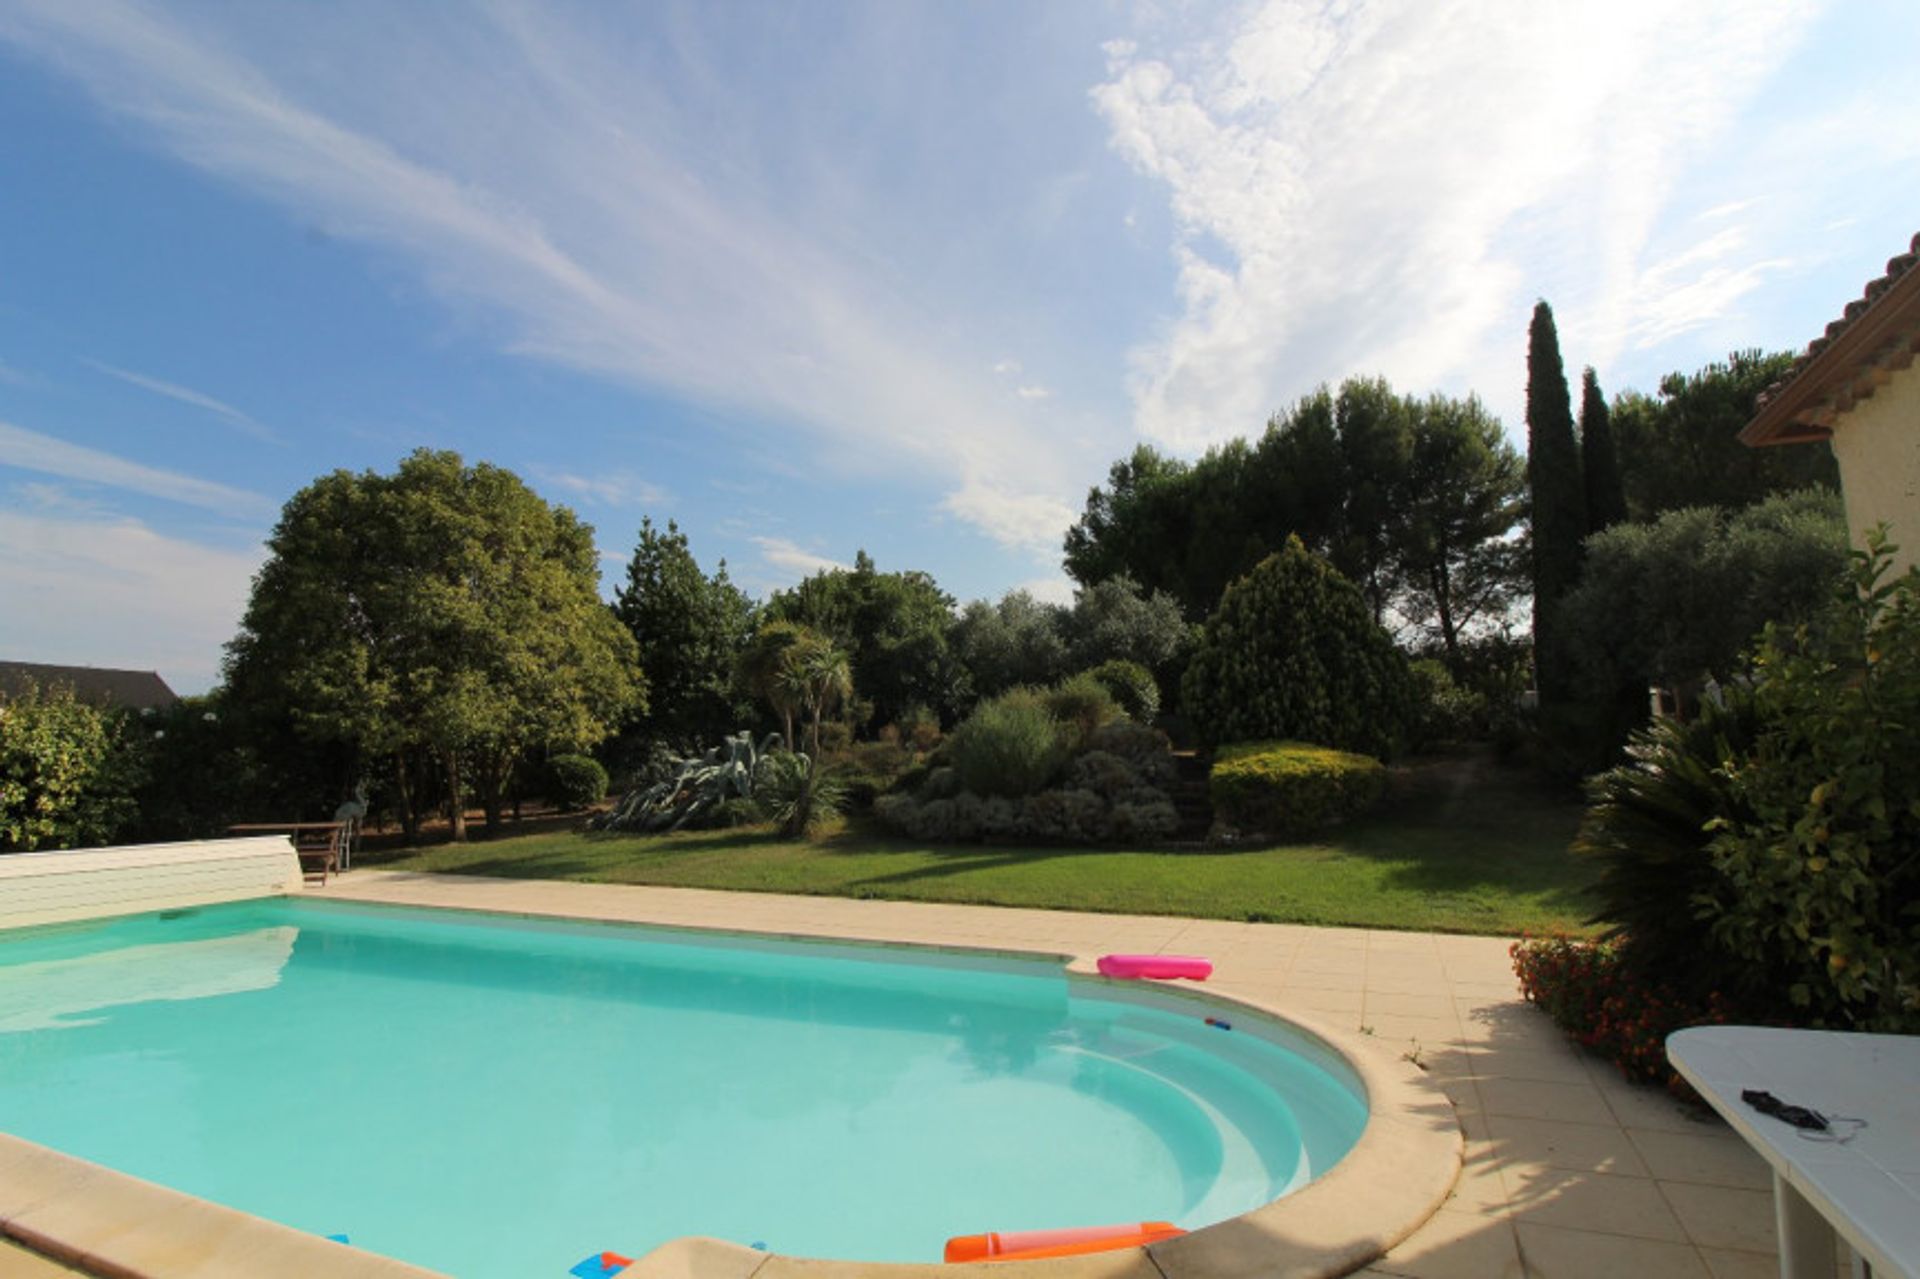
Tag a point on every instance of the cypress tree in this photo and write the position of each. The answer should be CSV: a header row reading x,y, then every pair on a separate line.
x,y
1558,495
1606,497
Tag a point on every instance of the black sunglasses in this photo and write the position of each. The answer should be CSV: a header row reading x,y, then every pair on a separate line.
x,y
1799,1116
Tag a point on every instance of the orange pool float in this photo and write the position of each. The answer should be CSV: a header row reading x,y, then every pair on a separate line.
x,y
1070,1241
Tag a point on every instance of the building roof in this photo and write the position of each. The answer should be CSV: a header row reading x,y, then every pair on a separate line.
x,y
135,690
1875,337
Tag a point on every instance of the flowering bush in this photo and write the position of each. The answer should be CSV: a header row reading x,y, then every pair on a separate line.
x,y
1591,993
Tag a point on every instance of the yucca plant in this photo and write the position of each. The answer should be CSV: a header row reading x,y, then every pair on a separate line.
x,y
1649,825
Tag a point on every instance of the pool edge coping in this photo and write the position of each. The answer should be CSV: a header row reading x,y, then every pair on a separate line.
x,y
1396,1176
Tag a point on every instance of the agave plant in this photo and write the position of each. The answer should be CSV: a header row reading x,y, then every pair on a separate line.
x,y
697,788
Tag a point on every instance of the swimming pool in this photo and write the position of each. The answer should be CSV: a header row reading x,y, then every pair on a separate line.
x,y
500,1097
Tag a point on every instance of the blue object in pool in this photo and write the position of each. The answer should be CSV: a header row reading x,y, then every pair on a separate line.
x,y
511,1089
601,1265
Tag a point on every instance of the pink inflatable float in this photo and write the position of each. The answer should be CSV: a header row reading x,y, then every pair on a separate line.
x,y
1157,967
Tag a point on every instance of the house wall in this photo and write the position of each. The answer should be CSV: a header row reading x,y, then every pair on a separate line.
x,y
91,883
1878,447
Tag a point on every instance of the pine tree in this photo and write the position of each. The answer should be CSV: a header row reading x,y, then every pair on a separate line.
x,y
1606,498
690,629
1558,495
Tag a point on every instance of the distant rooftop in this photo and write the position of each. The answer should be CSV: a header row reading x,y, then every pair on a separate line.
x,y
133,690
1875,337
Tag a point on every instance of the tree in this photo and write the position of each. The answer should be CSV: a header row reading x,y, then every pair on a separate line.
x,y
758,671
894,628
1606,499
690,630
1139,524
443,615
1017,641
66,771
1682,449
1293,653
1116,620
815,677
1558,497
1675,602
1338,470
1456,568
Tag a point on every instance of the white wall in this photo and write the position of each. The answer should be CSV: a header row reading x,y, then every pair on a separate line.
x,y
1878,447
89,883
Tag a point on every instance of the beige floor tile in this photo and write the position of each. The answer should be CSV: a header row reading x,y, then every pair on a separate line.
x,y
1555,1253
1642,1106
1548,1143
1456,1245
1722,1217
1480,1188
1428,1032
1711,1158
1539,1099
1588,1201
1313,999
1389,1004
1559,1065
1722,1264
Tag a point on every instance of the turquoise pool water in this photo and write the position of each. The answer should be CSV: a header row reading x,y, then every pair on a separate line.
x,y
493,1097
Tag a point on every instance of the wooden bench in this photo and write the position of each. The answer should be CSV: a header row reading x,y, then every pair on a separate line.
x,y
318,844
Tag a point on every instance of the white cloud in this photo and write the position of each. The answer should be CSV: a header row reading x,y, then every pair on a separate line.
x,y
527,168
115,593
1057,589
187,395
1033,393
1006,368
1017,519
32,451
616,488
794,560
1384,186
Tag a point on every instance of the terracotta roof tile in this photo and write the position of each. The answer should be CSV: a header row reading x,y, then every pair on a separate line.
x,y
1896,267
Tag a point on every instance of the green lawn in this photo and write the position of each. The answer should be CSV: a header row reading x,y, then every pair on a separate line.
x,y
1461,848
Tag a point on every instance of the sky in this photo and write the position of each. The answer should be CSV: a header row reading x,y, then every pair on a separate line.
x,y
813,278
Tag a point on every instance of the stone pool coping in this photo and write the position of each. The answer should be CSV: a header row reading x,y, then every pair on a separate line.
x,y
1394,1179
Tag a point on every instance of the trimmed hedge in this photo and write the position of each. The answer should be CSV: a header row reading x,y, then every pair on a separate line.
x,y
1132,686
1286,789
575,782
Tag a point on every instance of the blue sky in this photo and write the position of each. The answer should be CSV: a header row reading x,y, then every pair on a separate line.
x,y
810,278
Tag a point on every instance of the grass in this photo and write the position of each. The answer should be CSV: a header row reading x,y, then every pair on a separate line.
x,y
1461,847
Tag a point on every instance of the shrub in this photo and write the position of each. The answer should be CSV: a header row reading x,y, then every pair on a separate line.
x,y
1110,792
797,795
66,772
575,782
1146,750
1286,789
1819,845
1132,686
738,812
1081,704
1443,711
1647,829
1610,1007
1011,745
1766,850
1293,652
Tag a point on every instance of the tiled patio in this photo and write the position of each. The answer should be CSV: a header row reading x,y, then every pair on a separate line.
x,y
1569,1171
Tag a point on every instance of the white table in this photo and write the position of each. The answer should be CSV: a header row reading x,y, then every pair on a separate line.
x,y
1868,1188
